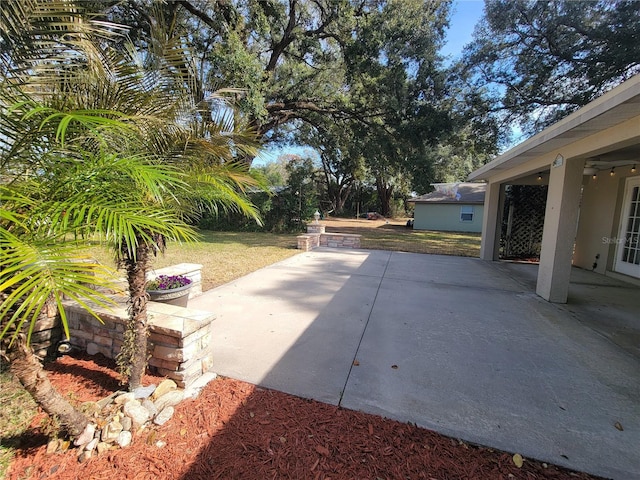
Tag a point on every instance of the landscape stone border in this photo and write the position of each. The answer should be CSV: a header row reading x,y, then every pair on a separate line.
x,y
116,419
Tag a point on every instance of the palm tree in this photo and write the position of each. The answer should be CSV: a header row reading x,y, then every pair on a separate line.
x,y
36,271
91,143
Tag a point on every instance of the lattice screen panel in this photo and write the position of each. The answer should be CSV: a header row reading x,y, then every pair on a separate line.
x,y
523,221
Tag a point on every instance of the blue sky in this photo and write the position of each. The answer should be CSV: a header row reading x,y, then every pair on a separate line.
x,y
464,16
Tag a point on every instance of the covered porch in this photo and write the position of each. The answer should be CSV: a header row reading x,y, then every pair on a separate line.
x,y
589,160
602,303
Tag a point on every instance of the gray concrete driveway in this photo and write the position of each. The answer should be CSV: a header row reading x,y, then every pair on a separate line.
x,y
453,344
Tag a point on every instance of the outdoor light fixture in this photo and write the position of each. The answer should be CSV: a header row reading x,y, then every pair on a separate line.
x,y
594,176
590,171
633,168
539,176
612,173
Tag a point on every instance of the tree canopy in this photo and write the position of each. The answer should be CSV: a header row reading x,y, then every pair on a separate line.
x,y
363,83
309,67
537,61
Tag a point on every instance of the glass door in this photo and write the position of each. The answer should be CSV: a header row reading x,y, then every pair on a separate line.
x,y
628,254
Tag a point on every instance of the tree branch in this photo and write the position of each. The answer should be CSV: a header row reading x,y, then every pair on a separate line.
x,y
222,6
286,40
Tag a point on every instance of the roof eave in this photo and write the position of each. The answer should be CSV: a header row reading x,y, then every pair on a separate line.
x,y
566,130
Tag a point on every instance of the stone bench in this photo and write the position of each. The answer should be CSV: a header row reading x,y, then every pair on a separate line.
x,y
340,240
316,236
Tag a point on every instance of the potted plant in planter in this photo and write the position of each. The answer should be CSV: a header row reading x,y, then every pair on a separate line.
x,y
171,289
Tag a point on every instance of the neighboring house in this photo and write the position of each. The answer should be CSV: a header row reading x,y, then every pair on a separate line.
x,y
590,162
452,207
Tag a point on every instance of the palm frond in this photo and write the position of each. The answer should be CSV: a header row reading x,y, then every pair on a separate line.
x,y
93,142
39,38
222,189
33,271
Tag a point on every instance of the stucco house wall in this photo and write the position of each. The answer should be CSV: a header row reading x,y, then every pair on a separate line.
x,y
446,217
598,224
583,216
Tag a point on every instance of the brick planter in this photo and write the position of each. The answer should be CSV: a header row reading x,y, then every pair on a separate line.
x,y
340,240
317,237
179,340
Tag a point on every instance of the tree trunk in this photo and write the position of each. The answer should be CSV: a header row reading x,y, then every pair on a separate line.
x,y
134,350
33,377
338,189
385,193
343,195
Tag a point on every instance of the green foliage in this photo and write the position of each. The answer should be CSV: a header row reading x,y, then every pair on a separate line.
x,y
301,197
361,82
536,62
452,160
233,221
285,209
237,66
274,173
95,143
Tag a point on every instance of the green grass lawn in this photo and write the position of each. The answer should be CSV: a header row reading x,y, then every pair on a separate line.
x,y
439,243
226,256
399,238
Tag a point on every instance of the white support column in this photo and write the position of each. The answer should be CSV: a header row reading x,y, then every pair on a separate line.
x,y
490,223
558,237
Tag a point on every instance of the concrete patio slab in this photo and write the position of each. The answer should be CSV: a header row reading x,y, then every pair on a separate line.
x,y
457,345
295,326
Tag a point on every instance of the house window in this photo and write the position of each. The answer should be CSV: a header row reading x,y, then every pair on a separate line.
x,y
466,213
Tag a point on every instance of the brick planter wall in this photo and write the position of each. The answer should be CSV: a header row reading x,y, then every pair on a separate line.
x,y
179,341
47,332
340,240
317,237
308,241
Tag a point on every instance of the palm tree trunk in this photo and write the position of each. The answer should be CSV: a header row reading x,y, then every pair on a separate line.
x,y
28,369
138,323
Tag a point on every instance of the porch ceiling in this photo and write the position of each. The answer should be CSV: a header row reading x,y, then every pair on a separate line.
x,y
611,109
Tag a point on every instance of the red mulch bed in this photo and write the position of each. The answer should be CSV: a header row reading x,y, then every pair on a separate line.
x,y
237,430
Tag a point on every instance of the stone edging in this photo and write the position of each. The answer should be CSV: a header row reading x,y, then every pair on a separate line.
x,y
116,419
